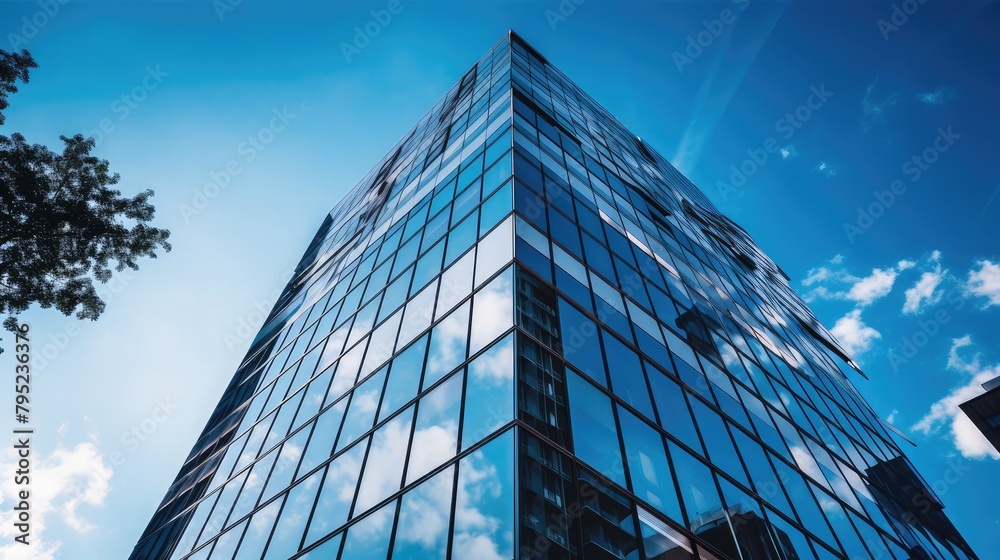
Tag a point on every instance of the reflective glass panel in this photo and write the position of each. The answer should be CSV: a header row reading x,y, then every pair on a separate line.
x,y
492,311
435,436
424,517
595,436
484,503
384,467
647,464
489,393
369,538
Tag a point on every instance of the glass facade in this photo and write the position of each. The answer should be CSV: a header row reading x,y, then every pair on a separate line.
x,y
984,411
525,335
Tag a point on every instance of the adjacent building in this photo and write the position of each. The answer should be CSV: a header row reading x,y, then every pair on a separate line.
x,y
984,411
526,335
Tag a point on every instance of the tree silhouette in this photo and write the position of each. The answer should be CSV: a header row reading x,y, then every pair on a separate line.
x,y
62,226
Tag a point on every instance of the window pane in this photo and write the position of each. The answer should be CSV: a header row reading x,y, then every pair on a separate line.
x,y
489,396
422,530
285,465
404,380
347,372
395,294
418,315
494,251
337,493
648,467
456,284
429,265
495,208
462,237
595,438
382,343
361,412
580,343
627,379
225,546
492,311
384,466
720,448
369,539
672,406
258,531
765,481
324,435
805,504
497,174
662,541
696,484
484,504
435,437
448,345
292,522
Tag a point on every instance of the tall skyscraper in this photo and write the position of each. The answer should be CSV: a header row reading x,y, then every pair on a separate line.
x,y
525,335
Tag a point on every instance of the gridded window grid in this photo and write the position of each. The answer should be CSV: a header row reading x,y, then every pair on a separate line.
x,y
672,394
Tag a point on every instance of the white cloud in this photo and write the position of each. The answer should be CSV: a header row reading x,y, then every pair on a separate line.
x,y
425,513
436,444
820,293
825,168
478,534
61,484
824,273
924,292
968,440
874,287
384,467
985,282
448,342
817,275
854,335
906,264
834,283
936,97
495,366
892,416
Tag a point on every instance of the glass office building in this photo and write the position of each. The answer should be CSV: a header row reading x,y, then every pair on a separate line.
x,y
525,335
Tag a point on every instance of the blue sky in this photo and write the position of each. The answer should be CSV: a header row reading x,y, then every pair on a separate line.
x,y
799,120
